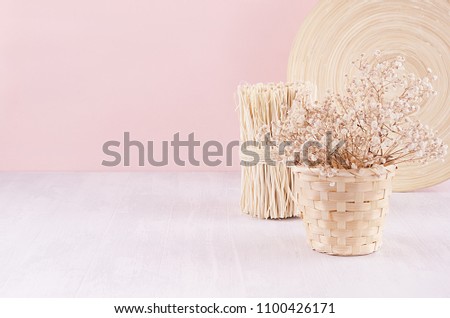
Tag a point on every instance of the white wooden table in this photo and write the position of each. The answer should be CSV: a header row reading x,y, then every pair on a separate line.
x,y
182,234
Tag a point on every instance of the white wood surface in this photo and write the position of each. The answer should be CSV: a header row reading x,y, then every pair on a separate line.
x,y
182,234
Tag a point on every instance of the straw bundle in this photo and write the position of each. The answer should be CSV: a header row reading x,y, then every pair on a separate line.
x,y
266,190
337,31
344,214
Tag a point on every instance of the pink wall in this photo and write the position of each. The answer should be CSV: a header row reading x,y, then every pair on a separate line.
x,y
74,74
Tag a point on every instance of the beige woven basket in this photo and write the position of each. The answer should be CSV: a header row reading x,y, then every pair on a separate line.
x,y
344,214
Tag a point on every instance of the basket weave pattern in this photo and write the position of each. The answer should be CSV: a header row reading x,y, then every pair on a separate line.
x,y
344,214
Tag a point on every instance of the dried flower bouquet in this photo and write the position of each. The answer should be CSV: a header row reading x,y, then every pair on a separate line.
x,y
346,147
373,120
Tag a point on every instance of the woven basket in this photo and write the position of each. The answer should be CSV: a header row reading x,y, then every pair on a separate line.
x,y
344,214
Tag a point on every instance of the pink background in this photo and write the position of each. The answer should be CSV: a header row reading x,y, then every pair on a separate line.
x,y
74,74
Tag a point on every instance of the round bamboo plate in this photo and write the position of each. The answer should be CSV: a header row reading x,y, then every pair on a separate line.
x,y
336,32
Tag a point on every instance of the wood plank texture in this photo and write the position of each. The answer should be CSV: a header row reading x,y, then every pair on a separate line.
x,y
182,234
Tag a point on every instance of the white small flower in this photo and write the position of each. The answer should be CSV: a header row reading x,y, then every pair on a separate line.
x,y
374,125
412,147
375,140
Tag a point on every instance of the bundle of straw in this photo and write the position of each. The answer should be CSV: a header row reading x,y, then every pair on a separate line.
x,y
266,190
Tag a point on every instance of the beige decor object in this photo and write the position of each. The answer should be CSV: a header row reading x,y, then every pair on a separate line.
x,y
337,31
344,214
266,191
